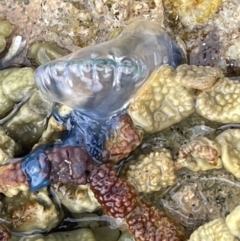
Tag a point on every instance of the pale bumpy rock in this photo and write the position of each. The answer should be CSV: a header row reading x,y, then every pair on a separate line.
x,y
200,154
152,172
197,77
161,102
28,212
77,199
229,141
221,103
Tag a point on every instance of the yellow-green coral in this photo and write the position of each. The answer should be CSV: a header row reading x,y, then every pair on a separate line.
x,y
221,103
43,52
161,102
19,84
28,124
5,28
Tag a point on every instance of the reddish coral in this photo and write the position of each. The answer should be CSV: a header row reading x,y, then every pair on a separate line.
x,y
123,139
147,223
117,197
12,177
5,235
69,165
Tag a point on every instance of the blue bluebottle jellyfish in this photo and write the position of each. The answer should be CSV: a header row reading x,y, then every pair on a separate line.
x,y
37,168
101,80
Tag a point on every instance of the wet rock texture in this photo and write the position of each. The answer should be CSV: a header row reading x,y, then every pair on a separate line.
x,y
74,23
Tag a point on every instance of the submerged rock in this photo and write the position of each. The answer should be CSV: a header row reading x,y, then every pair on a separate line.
x,y
199,197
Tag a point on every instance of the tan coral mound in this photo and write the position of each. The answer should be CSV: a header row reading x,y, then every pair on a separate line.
x,y
152,172
77,199
197,77
161,102
229,141
200,154
221,103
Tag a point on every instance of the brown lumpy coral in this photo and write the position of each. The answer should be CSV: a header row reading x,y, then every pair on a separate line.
x,y
199,154
12,179
69,165
122,139
148,223
156,107
117,197
5,235
152,172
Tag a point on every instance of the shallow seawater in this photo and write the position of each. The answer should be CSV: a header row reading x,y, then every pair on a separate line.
x,y
216,189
